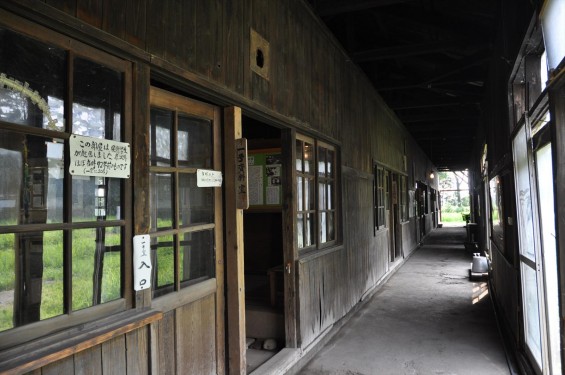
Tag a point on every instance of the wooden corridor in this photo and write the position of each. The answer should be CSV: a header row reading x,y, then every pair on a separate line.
x,y
429,318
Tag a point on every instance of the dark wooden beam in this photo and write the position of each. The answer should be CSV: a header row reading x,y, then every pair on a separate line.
x,y
405,51
438,116
339,7
414,104
422,85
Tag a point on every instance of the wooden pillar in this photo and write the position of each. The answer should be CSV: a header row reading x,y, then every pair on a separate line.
x,y
290,253
234,248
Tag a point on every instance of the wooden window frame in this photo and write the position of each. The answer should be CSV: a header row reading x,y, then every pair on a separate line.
x,y
182,292
403,199
315,179
381,190
70,318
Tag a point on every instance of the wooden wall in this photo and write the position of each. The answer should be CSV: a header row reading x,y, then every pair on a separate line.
x,y
110,357
312,86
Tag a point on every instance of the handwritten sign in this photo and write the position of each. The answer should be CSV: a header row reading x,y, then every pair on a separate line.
x,y
99,157
208,178
241,176
141,262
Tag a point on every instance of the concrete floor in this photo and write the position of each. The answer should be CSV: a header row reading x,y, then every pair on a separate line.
x,y
428,319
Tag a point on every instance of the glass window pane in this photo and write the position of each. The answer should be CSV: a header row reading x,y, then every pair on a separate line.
x,y
194,141
322,227
36,282
310,190
545,181
299,150
161,202
97,98
197,256
308,157
330,164
322,204
96,266
163,249
8,247
523,195
531,311
96,198
196,203
300,230
35,79
310,225
321,161
299,195
331,226
330,196
160,142
31,187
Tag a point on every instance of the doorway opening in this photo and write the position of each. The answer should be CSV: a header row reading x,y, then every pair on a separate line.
x,y
263,244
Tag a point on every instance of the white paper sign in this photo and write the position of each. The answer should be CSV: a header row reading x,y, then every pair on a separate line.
x,y
208,178
141,262
98,157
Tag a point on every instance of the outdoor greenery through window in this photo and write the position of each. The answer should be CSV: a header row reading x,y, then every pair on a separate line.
x,y
454,193
182,213
61,236
316,208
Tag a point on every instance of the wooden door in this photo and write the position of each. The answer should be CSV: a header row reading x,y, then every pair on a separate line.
x,y
186,235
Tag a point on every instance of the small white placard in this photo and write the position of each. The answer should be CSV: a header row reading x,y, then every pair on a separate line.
x,y
208,178
98,157
141,262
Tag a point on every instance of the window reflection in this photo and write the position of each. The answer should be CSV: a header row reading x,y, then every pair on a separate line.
x,y
161,202
196,256
33,95
163,252
35,193
196,203
160,137
96,266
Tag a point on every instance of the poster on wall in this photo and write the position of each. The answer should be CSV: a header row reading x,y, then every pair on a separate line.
x,y
265,173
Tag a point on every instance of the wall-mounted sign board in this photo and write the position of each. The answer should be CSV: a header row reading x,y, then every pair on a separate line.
x,y
265,174
141,262
98,157
241,173
208,178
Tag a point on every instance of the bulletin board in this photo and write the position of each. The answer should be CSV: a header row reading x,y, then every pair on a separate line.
x,y
265,174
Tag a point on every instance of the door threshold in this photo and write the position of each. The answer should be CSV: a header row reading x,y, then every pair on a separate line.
x,y
280,363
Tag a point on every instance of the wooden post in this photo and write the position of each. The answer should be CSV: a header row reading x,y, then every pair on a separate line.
x,y
234,248
291,315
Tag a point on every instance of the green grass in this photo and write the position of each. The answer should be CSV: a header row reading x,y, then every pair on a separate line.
x,y
83,248
452,218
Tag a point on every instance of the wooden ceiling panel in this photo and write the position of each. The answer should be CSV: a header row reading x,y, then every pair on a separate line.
x,y
427,58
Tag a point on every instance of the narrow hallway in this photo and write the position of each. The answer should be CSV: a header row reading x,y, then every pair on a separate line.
x,y
428,318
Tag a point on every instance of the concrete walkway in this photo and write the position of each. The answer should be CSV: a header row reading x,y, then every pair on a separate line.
x,y
428,319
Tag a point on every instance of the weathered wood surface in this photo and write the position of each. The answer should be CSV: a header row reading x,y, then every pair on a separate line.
x,y
312,87
234,248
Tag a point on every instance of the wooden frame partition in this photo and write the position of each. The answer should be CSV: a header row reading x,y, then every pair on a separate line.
x,y
234,248
292,322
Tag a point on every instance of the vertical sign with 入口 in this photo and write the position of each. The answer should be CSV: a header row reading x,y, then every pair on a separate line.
x,y
141,262
241,179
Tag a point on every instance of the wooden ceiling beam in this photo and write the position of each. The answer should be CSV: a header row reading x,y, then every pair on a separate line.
x,y
405,51
437,116
334,8
414,104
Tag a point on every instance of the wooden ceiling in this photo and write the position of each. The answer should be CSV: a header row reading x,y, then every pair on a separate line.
x,y
428,59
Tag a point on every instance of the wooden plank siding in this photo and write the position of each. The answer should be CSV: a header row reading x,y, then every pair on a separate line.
x,y
314,88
